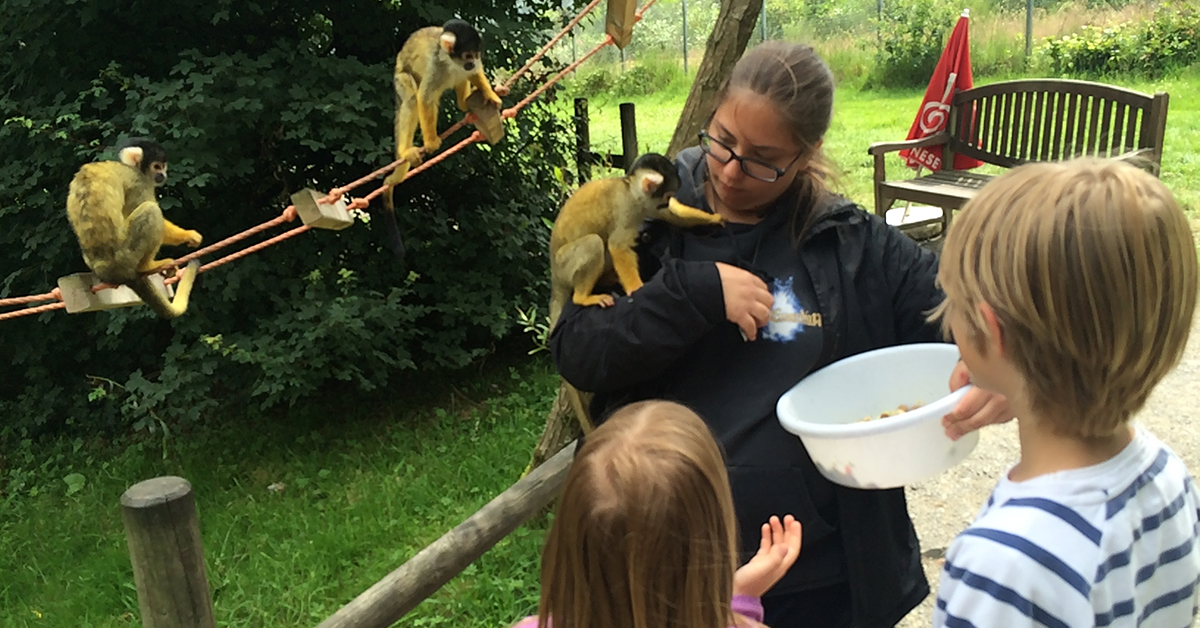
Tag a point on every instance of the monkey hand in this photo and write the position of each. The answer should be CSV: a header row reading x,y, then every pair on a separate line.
x,y
501,90
432,144
192,238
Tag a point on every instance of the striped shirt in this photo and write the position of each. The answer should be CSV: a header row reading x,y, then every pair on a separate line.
x,y
1114,544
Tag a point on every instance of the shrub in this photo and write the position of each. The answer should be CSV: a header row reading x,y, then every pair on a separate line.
x,y
1169,40
911,36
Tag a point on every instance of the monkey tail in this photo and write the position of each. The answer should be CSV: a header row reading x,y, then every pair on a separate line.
x,y
395,241
576,398
158,301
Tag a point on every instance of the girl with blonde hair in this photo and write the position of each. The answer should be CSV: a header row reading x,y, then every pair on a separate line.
x,y
645,534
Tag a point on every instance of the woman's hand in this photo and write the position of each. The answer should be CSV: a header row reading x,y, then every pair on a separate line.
x,y
976,409
747,300
778,550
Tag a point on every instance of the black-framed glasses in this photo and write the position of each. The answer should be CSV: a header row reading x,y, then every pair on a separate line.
x,y
753,168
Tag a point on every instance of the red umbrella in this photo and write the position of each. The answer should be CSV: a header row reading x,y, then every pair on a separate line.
x,y
953,72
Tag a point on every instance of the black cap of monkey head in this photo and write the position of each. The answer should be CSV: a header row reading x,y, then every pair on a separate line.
x,y
146,155
462,42
654,162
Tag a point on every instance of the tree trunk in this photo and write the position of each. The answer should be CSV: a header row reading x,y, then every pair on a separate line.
x,y
734,25
562,427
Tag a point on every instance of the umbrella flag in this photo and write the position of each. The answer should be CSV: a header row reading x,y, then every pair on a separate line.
x,y
953,72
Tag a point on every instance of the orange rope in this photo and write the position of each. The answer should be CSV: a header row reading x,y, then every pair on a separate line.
x,y
288,215
550,44
250,249
32,310
49,296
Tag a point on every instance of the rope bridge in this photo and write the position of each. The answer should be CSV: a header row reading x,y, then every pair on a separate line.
x,y
289,214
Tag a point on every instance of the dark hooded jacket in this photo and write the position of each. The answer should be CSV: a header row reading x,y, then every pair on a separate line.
x,y
848,283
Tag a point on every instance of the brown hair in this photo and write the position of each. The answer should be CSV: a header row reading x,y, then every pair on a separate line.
x,y
1091,269
644,536
800,85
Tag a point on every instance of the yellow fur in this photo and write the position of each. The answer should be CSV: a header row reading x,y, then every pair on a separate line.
x,y
115,215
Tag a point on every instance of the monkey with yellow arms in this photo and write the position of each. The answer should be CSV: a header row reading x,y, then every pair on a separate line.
x,y
432,60
112,208
593,238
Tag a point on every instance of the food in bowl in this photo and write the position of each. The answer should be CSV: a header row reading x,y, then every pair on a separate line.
x,y
900,409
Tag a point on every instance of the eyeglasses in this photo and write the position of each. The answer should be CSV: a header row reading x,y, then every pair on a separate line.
x,y
753,168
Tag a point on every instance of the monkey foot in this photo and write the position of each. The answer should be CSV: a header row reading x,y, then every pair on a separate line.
x,y
603,300
164,266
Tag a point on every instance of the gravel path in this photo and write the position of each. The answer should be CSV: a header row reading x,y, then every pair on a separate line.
x,y
943,506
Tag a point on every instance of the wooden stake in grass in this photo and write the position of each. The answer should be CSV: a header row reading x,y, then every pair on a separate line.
x,y
163,532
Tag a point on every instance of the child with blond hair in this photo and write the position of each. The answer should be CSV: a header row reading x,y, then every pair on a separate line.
x,y
645,533
1070,289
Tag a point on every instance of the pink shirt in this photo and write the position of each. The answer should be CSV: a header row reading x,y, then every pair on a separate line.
x,y
748,606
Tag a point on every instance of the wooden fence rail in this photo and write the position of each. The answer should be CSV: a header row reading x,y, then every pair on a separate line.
x,y
163,532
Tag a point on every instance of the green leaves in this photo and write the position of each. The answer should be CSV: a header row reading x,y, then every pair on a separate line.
x,y
1168,41
279,97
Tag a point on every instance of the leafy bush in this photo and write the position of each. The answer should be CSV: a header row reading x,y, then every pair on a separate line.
x,y
254,101
647,77
912,36
1168,41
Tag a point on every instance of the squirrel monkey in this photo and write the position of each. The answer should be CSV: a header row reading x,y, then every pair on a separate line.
x,y
432,60
596,230
113,210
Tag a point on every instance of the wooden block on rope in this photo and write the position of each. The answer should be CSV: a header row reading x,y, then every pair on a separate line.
x,y
619,21
321,215
489,122
78,296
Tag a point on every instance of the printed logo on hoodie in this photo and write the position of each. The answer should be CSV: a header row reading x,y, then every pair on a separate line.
x,y
788,317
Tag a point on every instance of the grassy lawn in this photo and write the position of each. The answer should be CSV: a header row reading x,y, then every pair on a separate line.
x,y
367,482
365,488
863,117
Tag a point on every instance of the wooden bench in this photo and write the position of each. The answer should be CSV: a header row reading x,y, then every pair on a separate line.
x,y
1016,122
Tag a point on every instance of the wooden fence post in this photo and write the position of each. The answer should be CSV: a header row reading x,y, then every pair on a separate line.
x,y
163,532
629,143
400,591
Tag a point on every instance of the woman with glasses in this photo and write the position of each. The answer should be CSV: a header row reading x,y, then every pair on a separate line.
x,y
733,316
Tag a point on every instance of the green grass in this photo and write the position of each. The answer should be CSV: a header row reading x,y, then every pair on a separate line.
x,y
369,482
863,117
365,490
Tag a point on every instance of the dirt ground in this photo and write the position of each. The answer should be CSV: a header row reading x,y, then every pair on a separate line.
x,y
948,503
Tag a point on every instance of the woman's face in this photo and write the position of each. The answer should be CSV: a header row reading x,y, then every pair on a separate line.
x,y
750,125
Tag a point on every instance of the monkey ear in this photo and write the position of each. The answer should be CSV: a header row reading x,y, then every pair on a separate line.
x,y
131,156
448,41
650,182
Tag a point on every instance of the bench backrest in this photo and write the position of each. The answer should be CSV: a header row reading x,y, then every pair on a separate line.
x,y
1015,122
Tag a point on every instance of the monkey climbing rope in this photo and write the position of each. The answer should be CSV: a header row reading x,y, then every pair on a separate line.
x,y
289,214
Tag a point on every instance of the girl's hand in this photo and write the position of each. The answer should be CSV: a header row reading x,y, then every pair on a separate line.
x,y
778,550
747,300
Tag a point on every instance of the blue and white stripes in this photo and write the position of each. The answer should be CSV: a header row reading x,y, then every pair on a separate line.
x,y
1110,545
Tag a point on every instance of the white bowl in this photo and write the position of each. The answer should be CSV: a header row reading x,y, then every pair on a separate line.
x,y
827,408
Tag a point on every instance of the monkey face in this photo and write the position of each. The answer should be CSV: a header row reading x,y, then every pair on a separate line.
x,y
158,169
463,43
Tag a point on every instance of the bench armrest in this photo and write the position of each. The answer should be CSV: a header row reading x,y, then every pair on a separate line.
x,y
879,148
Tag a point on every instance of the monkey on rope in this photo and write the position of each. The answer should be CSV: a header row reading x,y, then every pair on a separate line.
x,y
595,232
115,215
432,60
